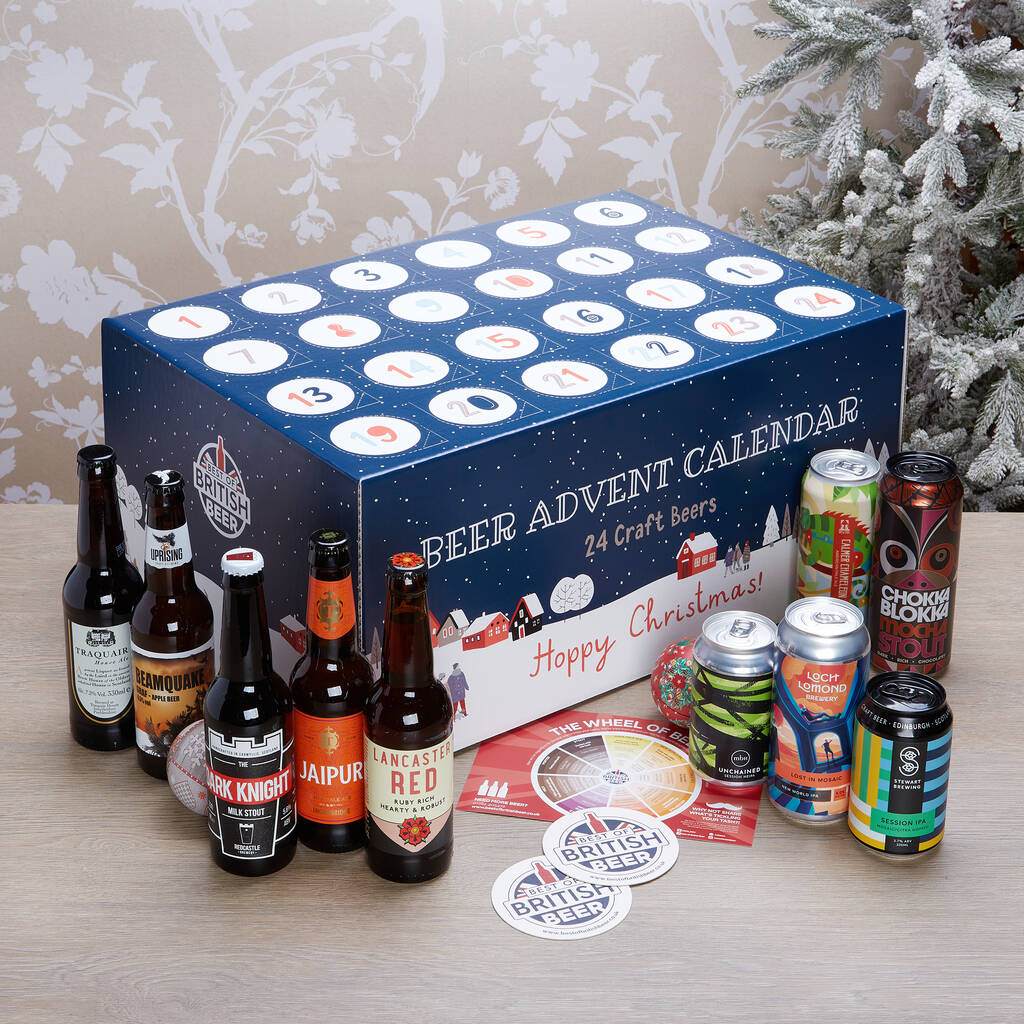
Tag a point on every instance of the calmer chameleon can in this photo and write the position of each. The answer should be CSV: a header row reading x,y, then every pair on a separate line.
x,y
901,765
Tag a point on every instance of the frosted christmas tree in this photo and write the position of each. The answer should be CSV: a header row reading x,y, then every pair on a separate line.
x,y
771,527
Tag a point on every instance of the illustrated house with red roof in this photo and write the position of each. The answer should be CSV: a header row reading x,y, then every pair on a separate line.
x,y
484,630
454,625
434,627
698,552
294,632
527,617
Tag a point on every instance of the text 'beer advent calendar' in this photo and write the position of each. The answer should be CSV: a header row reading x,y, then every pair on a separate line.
x,y
592,422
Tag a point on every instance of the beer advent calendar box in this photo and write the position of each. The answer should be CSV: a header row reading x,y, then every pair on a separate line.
x,y
592,422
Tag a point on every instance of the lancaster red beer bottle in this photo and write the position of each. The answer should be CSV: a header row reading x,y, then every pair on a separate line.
x,y
409,756
330,685
250,774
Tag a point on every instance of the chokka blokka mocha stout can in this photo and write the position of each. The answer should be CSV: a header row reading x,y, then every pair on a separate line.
x,y
820,671
920,506
901,766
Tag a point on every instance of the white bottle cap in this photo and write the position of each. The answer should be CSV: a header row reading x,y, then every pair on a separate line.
x,y
242,562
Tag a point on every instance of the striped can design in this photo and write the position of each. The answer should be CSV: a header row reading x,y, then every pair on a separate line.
x,y
901,766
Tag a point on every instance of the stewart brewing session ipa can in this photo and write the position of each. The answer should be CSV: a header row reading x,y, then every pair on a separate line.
x,y
731,699
918,529
820,672
836,530
901,766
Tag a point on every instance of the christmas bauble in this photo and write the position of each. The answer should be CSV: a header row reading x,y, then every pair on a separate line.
x,y
670,681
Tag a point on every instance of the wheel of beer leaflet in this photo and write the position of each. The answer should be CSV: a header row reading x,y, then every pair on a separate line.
x,y
186,767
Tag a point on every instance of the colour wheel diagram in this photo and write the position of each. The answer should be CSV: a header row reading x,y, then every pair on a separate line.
x,y
615,769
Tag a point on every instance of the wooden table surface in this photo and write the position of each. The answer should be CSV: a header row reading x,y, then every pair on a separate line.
x,y
113,910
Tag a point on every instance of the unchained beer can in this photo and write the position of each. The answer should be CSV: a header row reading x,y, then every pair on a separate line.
x,y
836,526
901,765
920,505
821,667
731,699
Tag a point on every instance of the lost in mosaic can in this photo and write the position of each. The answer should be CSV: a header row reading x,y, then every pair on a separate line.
x,y
901,765
821,667
836,526
731,699
920,506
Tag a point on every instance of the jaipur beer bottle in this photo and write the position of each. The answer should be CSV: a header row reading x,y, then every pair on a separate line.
x,y
330,685
99,596
408,754
250,772
172,628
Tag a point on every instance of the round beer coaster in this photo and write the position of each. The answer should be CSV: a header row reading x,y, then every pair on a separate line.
x,y
537,898
611,845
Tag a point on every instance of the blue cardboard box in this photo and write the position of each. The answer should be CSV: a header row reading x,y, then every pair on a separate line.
x,y
591,421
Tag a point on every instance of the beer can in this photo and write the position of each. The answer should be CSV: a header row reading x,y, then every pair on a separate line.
x,y
731,699
836,526
918,538
821,667
901,766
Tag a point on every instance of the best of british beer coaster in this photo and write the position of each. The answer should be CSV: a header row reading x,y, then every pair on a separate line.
x,y
535,897
573,761
609,846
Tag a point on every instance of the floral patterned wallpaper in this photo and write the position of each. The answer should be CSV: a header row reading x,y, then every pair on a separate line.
x,y
162,148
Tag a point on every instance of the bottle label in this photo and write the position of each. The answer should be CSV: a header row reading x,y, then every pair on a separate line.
x,y
409,793
101,670
331,607
169,694
251,781
329,768
167,549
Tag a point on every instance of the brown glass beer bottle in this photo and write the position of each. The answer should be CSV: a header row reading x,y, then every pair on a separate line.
x,y
409,758
330,684
250,773
172,628
99,596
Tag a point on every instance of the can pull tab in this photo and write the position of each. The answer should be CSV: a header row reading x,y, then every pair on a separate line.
x,y
846,466
742,627
828,618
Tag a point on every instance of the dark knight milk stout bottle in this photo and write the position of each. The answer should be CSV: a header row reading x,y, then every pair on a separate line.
x,y
330,685
99,596
250,773
408,754
172,629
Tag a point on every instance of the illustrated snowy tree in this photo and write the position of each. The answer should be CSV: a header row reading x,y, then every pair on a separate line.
x,y
787,524
771,528
572,594
374,656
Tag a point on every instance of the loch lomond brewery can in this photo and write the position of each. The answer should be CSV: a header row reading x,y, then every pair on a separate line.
x,y
731,699
920,505
901,766
821,667
836,526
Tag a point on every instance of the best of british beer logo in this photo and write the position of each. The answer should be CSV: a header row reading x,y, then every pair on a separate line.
x,y
217,479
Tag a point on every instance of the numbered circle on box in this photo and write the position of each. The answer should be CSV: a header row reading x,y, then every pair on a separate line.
x,y
514,283
564,378
652,351
609,213
453,253
343,330
815,300
533,233
474,407
670,239
665,293
595,261
428,307
583,317
737,325
245,355
496,341
406,369
747,271
310,396
281,298
185,322
375,435
369,275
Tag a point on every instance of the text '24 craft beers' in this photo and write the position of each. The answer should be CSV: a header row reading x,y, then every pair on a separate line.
x,y
821,669
408,753
918,535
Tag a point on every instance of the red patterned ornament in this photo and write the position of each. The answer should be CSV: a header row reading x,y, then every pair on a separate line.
x,y
670,681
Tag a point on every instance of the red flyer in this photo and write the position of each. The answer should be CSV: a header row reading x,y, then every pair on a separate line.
x,y
574,760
